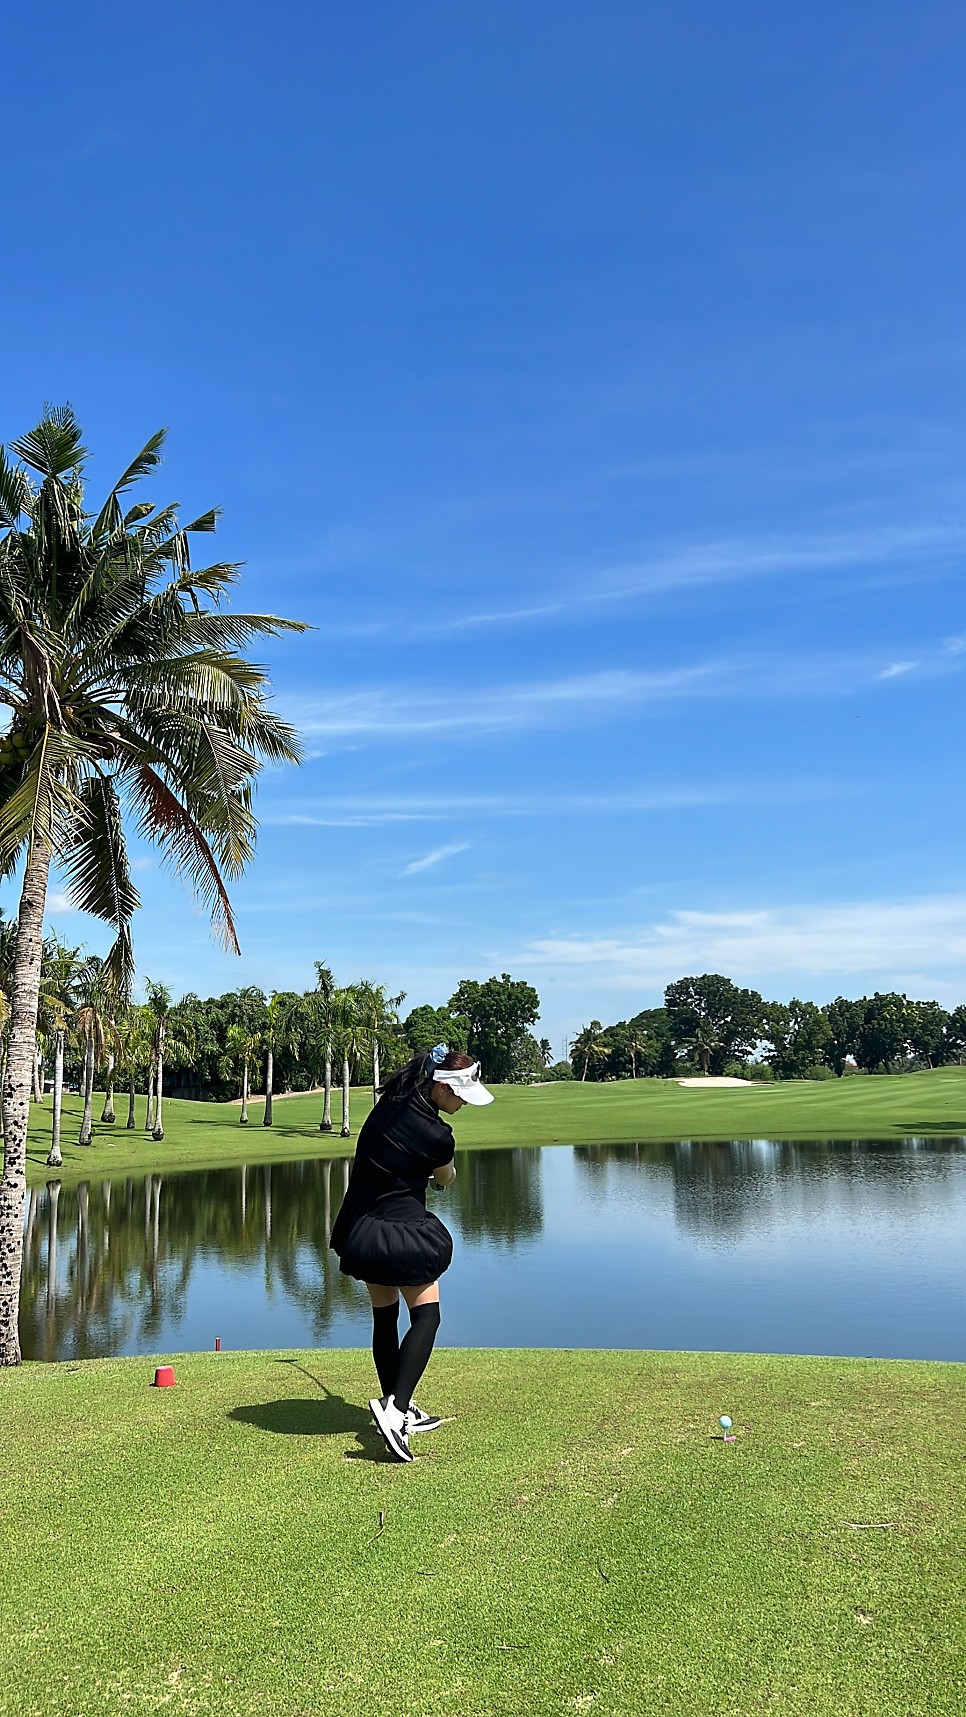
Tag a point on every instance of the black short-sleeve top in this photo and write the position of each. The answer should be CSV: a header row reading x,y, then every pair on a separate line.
x,y
399,1147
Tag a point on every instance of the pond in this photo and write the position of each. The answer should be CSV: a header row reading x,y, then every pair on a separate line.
x,y
747,1245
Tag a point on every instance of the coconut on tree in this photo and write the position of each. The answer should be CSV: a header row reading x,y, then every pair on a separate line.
x,y
132,706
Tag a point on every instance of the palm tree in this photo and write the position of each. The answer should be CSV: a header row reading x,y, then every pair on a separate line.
x,y
130,701
589,1047
245,1036
348,1033
135,1033
242,1047
378,1018
282,1030
96,1001
319,1003
61,969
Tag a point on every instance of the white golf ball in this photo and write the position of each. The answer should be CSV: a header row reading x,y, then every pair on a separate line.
x,y
725,1422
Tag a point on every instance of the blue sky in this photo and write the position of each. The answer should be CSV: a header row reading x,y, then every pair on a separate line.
x,y
591,377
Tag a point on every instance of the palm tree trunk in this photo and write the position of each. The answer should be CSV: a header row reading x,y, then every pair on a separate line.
x,y
38,1087
345,1097
269,1075
243,1120
108,1110
149,1117
85,1132
131,1119
325,1125
3,1075
375,1071
18,1096
55,1160
16,1093
158,1133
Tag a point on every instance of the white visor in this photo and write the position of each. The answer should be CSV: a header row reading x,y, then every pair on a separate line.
x,y
465,1081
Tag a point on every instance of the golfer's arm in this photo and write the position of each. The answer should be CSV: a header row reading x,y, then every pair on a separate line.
x,y
445,1174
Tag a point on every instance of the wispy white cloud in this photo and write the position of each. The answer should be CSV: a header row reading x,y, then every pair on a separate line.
x,y
406,711
337,811
899,943
895,669
897,551
721,562
437,856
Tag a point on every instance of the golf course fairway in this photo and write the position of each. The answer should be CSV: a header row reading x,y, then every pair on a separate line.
x,y
577,1539
208,1135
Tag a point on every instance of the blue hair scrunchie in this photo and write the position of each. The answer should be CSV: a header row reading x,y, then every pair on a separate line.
x,y
435,1057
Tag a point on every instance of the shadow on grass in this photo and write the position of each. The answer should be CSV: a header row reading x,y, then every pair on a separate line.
x,y
327,1415
922,1127
295,1417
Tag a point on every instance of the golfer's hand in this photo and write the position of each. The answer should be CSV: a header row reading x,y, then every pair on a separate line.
x,y
444,1176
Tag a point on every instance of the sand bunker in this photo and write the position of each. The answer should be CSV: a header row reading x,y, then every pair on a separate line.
x,y
745,1084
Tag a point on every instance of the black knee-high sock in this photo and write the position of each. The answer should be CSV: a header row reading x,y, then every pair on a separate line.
x,y
385,1344
414,1351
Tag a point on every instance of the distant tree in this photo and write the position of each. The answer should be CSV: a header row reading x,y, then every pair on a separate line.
x,y
379,1019
590,1051
500,1012
348,1036
321,1027
928,1032
424,1027
883,1035
546,1050
956,1035
797,1034
844,1019
283,1028
711,1018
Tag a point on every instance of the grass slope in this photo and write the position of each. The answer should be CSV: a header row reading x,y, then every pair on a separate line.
x,y
576,1540
206,1135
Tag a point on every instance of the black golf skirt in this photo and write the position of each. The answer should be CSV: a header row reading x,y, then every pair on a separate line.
x,y
402,1245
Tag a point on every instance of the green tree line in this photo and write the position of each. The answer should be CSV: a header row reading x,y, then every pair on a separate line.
x,y
709,1025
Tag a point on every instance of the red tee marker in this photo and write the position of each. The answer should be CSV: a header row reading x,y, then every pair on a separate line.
x,y
164,1377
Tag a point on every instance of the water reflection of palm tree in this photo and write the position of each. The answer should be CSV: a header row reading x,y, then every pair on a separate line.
x,y
499,1195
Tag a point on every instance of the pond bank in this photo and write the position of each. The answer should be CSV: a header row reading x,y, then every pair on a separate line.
x,y
578,1538
208,1135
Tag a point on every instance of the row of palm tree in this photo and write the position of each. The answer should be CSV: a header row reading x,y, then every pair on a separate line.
x,y
80,1012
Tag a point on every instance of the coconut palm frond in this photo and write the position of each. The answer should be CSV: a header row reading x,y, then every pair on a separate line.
x,y
43,805
96,865
165,821
54,448
119,971
15,491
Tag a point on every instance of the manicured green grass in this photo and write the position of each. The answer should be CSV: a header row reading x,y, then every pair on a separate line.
x,y
206,1135
577,1539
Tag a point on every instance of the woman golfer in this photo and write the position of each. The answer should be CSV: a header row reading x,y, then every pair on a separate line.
x,y
386,1237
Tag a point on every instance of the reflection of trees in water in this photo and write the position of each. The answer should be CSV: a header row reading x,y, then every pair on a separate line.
x,y
108,1265
498,1195
730,1186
